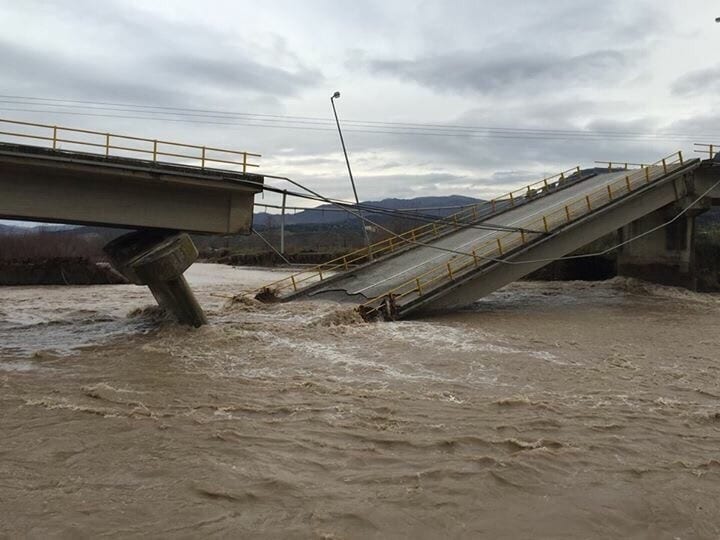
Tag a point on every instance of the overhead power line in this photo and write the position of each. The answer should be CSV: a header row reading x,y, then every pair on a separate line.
x,y
468,135
235,118
356,210
157,109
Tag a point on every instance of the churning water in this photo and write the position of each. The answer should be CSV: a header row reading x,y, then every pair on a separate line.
x,y
551,410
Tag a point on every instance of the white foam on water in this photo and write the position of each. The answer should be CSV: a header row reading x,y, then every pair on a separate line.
x,y
19,366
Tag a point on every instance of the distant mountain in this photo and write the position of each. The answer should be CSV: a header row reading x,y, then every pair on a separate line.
x,y
330,214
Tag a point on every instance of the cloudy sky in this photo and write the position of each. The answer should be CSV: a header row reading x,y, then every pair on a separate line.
x,y
540,86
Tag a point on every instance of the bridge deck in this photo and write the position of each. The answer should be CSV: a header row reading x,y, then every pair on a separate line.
x,y
372,280
51,185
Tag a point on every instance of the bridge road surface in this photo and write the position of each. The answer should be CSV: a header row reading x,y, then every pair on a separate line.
x,y
375,279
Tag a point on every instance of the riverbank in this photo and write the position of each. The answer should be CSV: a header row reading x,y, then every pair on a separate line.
x,y
58,271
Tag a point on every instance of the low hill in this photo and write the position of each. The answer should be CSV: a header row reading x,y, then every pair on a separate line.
x,y
330,214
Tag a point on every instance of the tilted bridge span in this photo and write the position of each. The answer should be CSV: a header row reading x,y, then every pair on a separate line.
x,y
457,260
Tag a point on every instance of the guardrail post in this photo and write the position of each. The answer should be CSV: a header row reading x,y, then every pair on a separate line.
x,y
345,263
293,283
522,235
154,150
202,161
493,204
54,137
244,162
435,230
627,182
320,273
680,156
711,151
512,200
647,175
587,200
567,213
545,224
419,288
499,244
609,192
107,145
664,166
449,269
475,258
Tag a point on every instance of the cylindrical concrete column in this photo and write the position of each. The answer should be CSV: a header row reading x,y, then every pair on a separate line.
x,y
158,260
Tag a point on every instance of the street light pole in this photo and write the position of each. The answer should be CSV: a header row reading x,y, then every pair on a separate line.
x,y
335,96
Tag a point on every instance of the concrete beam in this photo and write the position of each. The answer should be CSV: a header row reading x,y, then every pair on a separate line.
x,y
51,186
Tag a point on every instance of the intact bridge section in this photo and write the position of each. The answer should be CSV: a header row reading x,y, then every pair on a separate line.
x,y
159,188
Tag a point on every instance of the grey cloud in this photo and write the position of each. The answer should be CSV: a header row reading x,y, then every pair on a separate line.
x,y
237,74
472,71
536,65
702,81
133,54
36,73
396,185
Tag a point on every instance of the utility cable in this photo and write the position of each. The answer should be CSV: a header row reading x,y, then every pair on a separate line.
x,y
214,113
347,206
271,246
321,209
488,133
365,220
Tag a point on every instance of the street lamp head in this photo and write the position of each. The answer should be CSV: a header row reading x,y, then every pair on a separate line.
x,y
336,95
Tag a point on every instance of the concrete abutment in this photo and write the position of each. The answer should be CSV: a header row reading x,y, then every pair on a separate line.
x,y
662,250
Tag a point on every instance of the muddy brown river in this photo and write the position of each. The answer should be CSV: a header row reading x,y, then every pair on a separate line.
x,y
547,410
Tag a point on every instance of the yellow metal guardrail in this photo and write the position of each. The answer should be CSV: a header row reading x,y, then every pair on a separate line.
x,y
496,248
621,164
710,149
308,277
110,144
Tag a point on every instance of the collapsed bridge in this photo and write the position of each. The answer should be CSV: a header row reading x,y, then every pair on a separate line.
x,y
453,262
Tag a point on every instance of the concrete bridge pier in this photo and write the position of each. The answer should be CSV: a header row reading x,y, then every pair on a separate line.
x,y
666,255
158,260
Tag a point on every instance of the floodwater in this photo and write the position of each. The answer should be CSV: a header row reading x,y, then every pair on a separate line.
x,y
547,410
